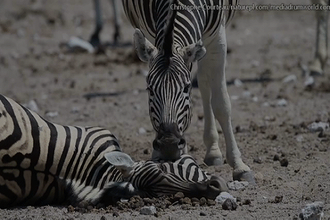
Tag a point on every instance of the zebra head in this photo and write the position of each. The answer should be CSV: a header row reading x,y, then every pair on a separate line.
x,y
169,87
151,179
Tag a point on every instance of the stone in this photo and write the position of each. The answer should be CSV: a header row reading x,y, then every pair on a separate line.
x,y
148,210
318,126
282,103
284,162
220,199
229,205
312,211
290,78
237,185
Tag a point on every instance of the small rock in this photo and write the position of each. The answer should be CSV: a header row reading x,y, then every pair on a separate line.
x,y
210,202
148,210
276,157
202,214
142,130
185,200
309,81
238,83
234,97
312,211
202,201
70,208
290,78
270,118
77,43
52,114
146,151
318,126
32,105
115,214
282,103
272,137
178,196
255,99
103,218
257,160
223,197
237,185
278,199
284,162
300,138
229,205
247,202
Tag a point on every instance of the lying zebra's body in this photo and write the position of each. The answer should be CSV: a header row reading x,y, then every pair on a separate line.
x,y
45,163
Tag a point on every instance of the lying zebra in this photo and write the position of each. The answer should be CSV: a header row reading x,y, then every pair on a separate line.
x,y
45,163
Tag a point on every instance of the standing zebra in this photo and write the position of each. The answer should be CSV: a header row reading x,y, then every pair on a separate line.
x,y
321,47
170,36
45,163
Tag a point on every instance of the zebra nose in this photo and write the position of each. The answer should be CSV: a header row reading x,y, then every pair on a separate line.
x,y
216,185
169,142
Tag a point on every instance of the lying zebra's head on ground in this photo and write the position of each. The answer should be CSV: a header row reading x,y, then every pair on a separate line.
x,y
150,179
169,87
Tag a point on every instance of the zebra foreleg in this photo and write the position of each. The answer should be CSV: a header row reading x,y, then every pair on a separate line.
x,y
321,48
117,20
95,38
217,105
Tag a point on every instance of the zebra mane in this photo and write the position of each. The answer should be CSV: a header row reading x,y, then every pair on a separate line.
x,y
169,29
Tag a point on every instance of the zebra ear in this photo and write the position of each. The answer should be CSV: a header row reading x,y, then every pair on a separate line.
x,y
123,162
193,52
144,48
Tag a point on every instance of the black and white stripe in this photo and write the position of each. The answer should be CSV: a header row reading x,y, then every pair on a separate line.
x,y
45,163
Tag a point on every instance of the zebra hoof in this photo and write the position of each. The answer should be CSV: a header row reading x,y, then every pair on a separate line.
x,y
245,176
213,161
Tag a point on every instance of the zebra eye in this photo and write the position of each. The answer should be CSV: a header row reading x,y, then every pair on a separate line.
x,y
186,88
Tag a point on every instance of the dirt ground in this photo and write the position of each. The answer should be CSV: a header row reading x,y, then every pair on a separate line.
x,y
35,66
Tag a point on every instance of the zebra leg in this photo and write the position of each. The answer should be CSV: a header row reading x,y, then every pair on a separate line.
x,y
117,20
212,75
95,38
317,65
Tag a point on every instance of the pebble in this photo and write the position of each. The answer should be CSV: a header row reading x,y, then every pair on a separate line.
x,y
257,160
103,218
309,81
290,78
202,214
276,157
237,185
229,205
220,199
148,210
255,99
202,201
284,162
282,103
312,211
142,130
52,114
178,195
32,105
238,83
234,97
76,42
318,126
